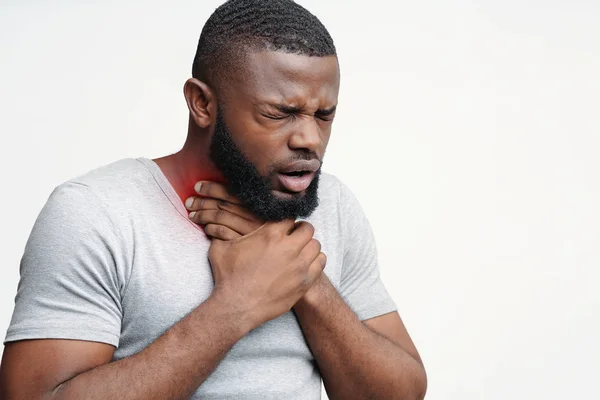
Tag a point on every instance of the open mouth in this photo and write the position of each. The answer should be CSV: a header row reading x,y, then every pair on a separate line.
x,y
296,173
296,181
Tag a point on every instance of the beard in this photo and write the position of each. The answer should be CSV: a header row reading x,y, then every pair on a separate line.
x,y
254,189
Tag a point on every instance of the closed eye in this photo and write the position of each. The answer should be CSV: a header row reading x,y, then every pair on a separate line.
x,y
279,117
326,115
275,117
284,112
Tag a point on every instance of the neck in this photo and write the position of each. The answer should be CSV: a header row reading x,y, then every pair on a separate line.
x,y
188,166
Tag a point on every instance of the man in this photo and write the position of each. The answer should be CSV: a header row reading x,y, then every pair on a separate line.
x,y
233,269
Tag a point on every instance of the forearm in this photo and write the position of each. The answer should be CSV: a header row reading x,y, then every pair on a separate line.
x,y
172,367
354,361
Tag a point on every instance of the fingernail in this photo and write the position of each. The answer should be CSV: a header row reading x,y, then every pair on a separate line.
x,y
197,187
189,202
192,214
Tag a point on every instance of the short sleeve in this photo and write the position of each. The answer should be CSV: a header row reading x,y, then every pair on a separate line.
x,y
361,285
69,287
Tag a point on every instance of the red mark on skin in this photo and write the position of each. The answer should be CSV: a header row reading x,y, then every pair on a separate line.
x,y
188,190
185,173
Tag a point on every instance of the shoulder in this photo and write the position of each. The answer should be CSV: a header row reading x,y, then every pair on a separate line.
x,y
335,194
115,181
113,188
335,202
329,190
98,198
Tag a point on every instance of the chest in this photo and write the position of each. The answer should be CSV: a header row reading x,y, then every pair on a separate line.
x,y
170,276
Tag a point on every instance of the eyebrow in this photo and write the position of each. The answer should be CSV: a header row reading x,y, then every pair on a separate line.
x,y
292,109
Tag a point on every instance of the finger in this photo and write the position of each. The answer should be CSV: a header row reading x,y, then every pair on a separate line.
x,y
206,203
221,232
216,191
278,228
310,252
301,234
317,266
225,218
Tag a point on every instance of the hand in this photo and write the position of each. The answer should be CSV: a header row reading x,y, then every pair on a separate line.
x,y
265,273
221,214
264,267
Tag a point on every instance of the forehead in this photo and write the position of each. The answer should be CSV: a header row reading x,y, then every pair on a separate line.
x,y
279,77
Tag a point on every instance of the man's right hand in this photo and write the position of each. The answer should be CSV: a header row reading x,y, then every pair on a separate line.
x,y
263,274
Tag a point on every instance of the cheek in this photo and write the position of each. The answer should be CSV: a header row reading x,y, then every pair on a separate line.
x,y
259,144
263,150
326,135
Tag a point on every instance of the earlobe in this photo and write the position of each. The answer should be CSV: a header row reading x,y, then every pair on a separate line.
x,y
200,101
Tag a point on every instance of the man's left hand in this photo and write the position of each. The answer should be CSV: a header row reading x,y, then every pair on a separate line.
x,y
221,214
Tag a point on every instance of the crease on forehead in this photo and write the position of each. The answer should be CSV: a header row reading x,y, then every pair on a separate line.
x,y
278,77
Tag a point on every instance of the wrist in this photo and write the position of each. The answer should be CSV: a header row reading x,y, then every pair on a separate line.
x,y
240,318
315,296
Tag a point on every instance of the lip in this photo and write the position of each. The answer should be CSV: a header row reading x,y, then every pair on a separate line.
x,y
302,165
296,184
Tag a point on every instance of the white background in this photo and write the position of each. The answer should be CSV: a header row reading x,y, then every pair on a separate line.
x,y
468,130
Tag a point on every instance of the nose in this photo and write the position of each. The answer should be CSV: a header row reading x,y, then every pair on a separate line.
x,y
306,136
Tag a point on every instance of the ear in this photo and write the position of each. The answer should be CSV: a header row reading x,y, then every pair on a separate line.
x,y
201,102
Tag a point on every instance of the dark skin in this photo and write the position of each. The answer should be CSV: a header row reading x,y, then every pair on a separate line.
x,y
258,109
379,351
372,359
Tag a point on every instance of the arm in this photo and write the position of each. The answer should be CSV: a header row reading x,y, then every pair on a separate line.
x,y
374,359
70,288
172,367
371,360
67,317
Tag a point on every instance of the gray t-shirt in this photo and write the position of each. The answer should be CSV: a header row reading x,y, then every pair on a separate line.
x,y
113,258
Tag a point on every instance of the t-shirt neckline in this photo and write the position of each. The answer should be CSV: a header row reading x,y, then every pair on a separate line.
x,y
164,184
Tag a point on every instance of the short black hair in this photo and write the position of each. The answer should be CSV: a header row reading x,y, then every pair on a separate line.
x,y
242,25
